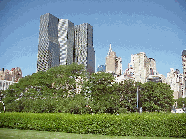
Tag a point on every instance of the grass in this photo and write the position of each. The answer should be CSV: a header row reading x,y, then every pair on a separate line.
x,y
6,133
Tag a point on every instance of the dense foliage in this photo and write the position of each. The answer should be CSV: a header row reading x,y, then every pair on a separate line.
x,y
146,124
156,97
56,90
181,102
50,91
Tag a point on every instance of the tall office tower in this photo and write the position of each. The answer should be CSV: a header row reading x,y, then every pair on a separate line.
x,y
84,50
113,63
184,72
66,41
48,48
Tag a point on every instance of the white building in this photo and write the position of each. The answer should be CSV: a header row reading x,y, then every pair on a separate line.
x,y
140,67
175,80
4,84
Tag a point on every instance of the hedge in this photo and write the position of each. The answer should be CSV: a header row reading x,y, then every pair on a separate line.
x,y
134,124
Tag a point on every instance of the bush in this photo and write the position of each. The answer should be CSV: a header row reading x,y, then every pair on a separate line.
x,y
135,124
122,110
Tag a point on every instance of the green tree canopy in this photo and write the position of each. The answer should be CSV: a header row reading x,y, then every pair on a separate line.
x,y
180,102
156,97
41,91
101,92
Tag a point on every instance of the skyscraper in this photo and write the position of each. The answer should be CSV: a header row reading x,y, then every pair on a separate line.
x,y
66,41
84,50
48,48
60,43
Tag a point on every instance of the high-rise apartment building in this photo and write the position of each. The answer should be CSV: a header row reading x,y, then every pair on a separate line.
x,y
113,63
62,43
141,67
84,50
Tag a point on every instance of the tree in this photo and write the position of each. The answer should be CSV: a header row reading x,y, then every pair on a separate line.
x,y
44,91
100,91
156,97
180,102
128,97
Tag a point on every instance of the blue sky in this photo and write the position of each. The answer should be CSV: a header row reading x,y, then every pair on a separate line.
x,y
156,27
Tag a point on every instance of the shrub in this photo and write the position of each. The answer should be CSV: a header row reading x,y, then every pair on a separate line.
x,y
135,124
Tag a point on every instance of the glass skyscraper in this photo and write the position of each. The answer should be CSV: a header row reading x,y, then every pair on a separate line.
x,y
48,48
62,43
84,50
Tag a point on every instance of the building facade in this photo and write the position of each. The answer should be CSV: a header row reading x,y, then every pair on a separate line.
x,y
8,77
113,63
62,43
11,75
184,72
175,80
66,41
48,47
84,50
4,84
142,69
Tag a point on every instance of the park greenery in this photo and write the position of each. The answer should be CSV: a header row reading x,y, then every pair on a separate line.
x,y
181,102
55,91
134,124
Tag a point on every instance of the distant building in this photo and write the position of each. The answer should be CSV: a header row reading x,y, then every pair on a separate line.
x,y
175,80
140,67
66,41
184,72
4,84
48,47
101,68
84,50
113,63
8,77
62,43
11,75
156,78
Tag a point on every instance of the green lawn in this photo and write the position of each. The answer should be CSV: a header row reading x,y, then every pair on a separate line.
x,y
32,134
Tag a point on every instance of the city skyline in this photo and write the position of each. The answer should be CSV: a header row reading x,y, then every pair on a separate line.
x,y
156,28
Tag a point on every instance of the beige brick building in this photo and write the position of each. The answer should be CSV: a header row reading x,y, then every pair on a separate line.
x,y
113,63
175,80
141,67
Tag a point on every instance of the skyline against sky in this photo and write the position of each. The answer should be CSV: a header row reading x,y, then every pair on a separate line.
x,y
157,28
